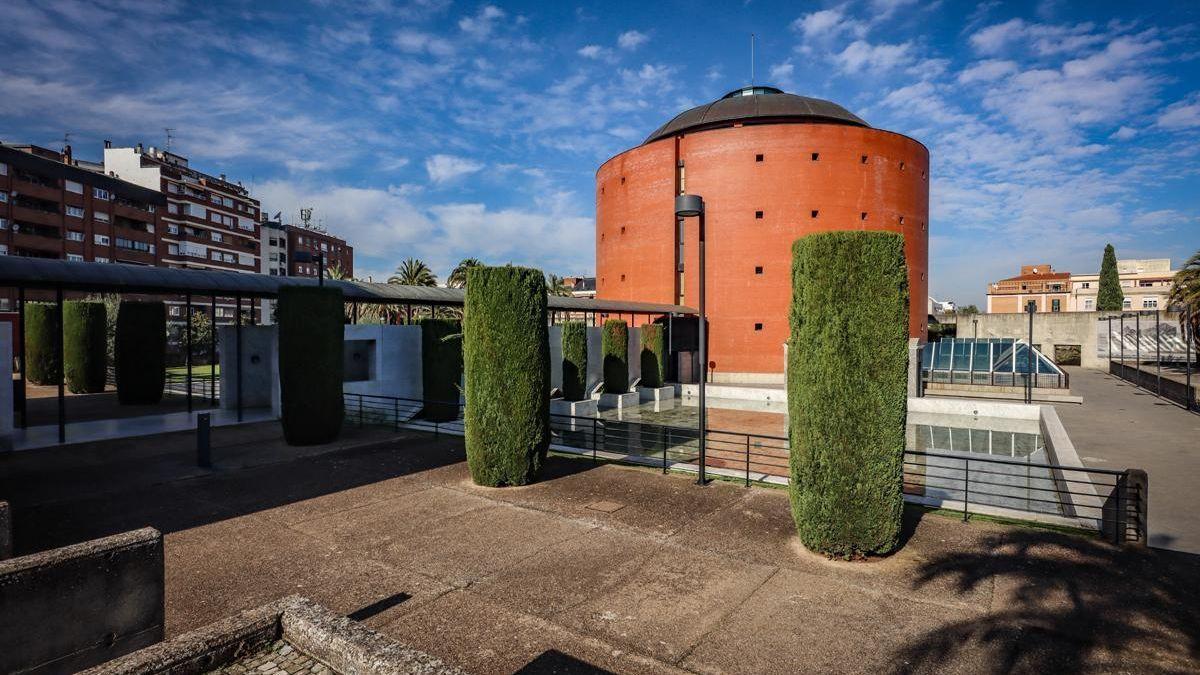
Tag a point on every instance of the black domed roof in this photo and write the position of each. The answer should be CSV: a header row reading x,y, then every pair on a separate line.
x,y
760,104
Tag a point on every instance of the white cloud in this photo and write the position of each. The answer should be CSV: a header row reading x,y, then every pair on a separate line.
x,y
591,51
482,23
1160,218
442,168
987,71
781,73
631,39
997,36
1124,133
416,42
860,55
1181,114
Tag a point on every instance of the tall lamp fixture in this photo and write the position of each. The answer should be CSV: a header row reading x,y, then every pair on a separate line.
x,y
692,206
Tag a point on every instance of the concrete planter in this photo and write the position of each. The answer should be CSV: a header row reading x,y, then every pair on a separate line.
x,y
618,401
656,394
586,409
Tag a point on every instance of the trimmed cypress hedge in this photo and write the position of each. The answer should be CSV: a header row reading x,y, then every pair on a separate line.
x,y
614,345
1109,296
140,352
43,358
310,363
441,367
85,346
847,390
574,360
654,355
506,353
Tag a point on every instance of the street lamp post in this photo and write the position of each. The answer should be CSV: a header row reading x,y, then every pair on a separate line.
x,y
1030,362
691,206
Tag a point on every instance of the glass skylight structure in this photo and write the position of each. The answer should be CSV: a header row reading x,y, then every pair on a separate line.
x,y
1003,362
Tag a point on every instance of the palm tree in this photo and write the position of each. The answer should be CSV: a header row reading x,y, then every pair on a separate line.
x,y
458,276
1185,295
412,272
556,286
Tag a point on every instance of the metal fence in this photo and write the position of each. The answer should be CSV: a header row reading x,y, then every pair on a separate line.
x,y
1154,354
1109,501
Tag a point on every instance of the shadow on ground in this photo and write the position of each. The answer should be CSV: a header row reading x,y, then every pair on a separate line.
x,y
1066,605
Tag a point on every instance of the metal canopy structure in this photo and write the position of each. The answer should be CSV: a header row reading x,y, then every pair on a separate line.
x,y
94,277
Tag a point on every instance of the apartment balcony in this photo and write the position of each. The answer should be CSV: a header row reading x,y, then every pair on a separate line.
x,y
35,216
38,240
23,186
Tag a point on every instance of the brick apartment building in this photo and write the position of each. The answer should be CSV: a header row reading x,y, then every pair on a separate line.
x,y
338,254
54,206
1145,283
1050,291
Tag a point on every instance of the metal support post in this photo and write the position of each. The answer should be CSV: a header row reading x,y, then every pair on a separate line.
x,y
187,320
59,348
204,440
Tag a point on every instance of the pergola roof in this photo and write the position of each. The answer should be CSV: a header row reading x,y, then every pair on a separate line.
x,y
94,277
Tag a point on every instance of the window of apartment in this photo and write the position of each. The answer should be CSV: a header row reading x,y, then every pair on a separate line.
x,y
214,216
1086,284
1056,305
216,198
173,187
3,197
226,201
1149,303
74,257
1144,283
73,235
173,249
100,193
74,211
1128,304
101,258
72,186
100,216
3,169
216,236
172,229
3,249
101,239
175,310
172,207
1089,304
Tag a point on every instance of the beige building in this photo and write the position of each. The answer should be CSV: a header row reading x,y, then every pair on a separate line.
x,y
1048,290
1145,283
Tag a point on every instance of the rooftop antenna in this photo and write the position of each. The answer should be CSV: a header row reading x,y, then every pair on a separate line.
x,y
306,217
752,60
66,139
170,137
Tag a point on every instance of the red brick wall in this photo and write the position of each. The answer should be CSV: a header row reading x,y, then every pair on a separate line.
x,y
786,186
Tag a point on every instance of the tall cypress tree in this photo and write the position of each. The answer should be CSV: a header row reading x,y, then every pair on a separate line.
x,y
1110,297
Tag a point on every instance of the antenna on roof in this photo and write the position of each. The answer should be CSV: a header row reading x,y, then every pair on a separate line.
x,y
306,217
66,139
170,137
752,59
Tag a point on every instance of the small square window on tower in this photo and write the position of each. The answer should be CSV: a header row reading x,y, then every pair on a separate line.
x,y
901,220
622,229
816,156
864,159
758,326
758,269
758,214
862,216
901,166
815,213
758,158
622,180
622,277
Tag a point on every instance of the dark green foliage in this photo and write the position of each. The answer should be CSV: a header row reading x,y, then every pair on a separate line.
x,y
506,354
614,345
654,355
85,346
43,357
441,367
310,363
574,360
847,390
1110,297
140,352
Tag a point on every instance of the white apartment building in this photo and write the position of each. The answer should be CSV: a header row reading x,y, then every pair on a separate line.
x,y
1145,283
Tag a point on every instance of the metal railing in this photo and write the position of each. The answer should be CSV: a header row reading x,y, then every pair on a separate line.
x,y
1109,501
1154,354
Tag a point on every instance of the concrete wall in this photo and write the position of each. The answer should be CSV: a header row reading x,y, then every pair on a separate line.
x,y
78,606
556,375
6,392
396,364
259,363
595,369
1050,329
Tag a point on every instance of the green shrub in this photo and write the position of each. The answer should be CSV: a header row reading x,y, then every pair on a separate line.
x,y
140,352
507,357
85,346
654,355
310,363
441,367
43,356
614,345
574,360
847,390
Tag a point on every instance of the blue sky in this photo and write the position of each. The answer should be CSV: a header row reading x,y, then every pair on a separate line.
x,y
443,129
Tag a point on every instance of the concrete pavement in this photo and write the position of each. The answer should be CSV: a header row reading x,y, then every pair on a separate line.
x,y
1120,426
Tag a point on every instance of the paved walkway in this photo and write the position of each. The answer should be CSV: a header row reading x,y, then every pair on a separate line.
x,y
1120,426
630,571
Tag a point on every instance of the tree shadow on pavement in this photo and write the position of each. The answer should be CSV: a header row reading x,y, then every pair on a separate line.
x,y
1064,604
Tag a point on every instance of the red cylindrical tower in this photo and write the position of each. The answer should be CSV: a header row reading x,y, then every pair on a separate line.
x,y
772,167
